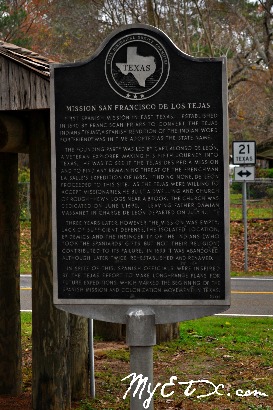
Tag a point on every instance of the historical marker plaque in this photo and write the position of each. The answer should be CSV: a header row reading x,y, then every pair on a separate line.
x,y
140,175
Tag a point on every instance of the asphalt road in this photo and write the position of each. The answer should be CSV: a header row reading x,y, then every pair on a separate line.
x,y
25,293
249,296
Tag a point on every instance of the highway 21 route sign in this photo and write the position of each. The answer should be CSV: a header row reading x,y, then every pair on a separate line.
x,y
244,152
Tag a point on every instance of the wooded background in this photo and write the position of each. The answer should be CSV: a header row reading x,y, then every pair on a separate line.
x,y
69,30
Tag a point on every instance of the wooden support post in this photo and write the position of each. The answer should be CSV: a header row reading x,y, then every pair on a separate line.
x,y
78,352
13,134
51,331
10,320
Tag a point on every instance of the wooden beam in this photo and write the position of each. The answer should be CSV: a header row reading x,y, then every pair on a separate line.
x,y
51,387
13,134
10,320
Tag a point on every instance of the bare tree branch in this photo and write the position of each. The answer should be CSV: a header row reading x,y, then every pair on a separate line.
x,y
250,29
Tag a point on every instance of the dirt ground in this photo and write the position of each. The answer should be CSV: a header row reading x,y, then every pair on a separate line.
x,y
260,258
260,246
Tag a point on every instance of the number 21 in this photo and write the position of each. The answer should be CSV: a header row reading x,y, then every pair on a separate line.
x,y
242,148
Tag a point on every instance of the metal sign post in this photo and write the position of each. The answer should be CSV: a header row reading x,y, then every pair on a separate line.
x,y
141,337
91,358
245,224
244,153
140,186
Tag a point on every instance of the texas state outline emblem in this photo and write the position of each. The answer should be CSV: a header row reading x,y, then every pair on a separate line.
x,y
137,66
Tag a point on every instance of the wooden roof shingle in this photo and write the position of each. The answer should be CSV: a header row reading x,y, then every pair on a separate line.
x,y
24,79
27,58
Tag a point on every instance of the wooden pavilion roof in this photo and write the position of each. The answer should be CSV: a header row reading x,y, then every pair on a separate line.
x,y
265,149
26,58
24,79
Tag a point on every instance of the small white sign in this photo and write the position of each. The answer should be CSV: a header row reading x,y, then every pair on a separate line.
x,y
244,152
244,174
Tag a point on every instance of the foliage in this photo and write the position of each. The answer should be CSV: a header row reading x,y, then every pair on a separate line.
x,y
257,190
25,248
23,22
11,19
241,30
24,174
264,172
270,193
236,187
24,193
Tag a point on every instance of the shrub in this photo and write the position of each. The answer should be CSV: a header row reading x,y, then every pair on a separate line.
x,y
23,175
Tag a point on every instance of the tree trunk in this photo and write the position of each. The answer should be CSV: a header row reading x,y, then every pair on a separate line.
x,y
51,381
115,331
108,331
150,12
78,357
165,333
10,320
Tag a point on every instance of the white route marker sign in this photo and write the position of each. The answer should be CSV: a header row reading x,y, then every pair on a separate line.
x,y
244,152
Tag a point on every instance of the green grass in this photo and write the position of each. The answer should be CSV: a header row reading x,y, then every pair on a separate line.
x,y
253,212
26,323
250,274
236,198
236,352
25,247
236,335
256,209
26,320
